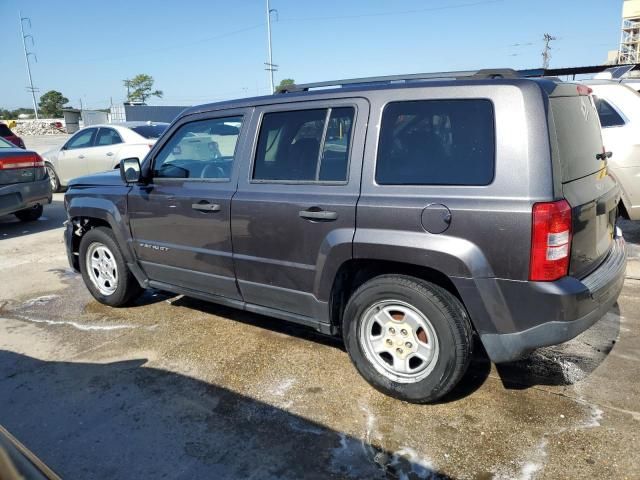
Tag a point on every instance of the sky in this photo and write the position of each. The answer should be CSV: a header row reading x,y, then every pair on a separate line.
x,y
200,51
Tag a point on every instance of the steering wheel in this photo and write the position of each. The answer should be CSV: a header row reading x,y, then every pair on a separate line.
x,y
212,167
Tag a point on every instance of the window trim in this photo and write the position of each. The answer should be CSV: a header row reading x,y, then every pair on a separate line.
x,y
328,105
168,180
437,185
615,109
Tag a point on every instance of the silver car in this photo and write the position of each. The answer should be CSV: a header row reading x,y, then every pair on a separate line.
x,y
619,109
99,148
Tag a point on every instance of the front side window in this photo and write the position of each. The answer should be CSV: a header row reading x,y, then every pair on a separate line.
x,y
107,136
83,139
304,145
608,115
203,149
437,142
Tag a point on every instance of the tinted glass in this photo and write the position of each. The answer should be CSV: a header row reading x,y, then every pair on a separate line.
x,y
437,142
5,131
335,153
578,134
203,149
608,116
150,131
289,145
81,139
5,144
107,136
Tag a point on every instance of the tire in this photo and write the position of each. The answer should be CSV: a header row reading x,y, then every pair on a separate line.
x,y
114,288
53,178
30,214
424,317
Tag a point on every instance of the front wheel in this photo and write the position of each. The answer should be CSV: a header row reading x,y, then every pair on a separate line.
x,y
104,270
407,337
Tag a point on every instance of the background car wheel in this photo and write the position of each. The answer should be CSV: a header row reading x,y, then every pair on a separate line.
x,y
407,337
104,270
53,178
30,214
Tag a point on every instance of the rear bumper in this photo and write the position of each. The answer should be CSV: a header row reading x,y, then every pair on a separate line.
x,y
514,318
19,196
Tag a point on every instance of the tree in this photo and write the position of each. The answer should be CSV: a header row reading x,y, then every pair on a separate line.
x,y
51,104
285,82
139,88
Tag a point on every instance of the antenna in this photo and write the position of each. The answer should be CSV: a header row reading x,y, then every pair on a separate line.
x,y
270,66
546,53
27,53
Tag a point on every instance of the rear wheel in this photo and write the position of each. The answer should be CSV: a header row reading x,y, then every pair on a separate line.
x,y
104,270
407,337
30,214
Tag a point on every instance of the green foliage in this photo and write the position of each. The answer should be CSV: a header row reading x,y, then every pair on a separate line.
x,y
13,114
140,87
286,82
51,104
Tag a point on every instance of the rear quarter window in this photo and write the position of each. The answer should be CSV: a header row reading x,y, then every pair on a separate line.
x,y
437,142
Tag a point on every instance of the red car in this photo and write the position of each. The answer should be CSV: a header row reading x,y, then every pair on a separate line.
x,y
7,134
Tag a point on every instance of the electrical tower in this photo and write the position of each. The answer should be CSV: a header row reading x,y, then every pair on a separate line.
x,y
546,53
27,53
270,66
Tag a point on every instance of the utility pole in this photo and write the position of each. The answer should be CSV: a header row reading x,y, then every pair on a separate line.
x,y
546,53
270,66
30,88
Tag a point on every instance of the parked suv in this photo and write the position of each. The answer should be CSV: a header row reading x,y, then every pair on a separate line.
x,y
404,214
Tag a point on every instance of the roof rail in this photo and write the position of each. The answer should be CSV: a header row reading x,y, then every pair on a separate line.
x,y
477,74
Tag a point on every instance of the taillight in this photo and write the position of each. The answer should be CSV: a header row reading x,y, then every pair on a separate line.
x,y
584,90
32,160
550,241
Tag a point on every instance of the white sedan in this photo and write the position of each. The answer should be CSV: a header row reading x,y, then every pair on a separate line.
x,y
619,109
99,148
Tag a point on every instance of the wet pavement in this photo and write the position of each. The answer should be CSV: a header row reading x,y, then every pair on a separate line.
x,y
178,388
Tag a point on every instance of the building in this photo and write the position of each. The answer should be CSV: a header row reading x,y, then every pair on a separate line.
x,y
629,51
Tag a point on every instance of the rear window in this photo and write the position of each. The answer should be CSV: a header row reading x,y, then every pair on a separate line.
x,y
5,144
150,131
578,134
437,142
4,130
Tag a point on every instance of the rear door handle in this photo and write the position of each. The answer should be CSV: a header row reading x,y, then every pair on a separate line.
x,y
80,156
321,215
109,154
206,207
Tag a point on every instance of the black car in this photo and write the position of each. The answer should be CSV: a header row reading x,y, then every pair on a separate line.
x,y
24,183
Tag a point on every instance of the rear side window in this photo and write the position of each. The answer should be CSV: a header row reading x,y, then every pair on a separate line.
x,y
578,135
305,145
107,136
437,142
608,115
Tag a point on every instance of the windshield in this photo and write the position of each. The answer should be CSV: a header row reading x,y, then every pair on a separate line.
x,y
150,131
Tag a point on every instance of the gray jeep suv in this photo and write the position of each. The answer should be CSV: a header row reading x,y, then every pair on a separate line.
x,y
405,214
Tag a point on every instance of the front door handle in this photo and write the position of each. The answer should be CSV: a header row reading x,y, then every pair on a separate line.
x,y
206,207
319,215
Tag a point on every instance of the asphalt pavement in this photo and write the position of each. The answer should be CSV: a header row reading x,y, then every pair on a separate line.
x,y
177,388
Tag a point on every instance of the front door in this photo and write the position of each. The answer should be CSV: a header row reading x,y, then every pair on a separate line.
x,y
72,159
295,206
180,220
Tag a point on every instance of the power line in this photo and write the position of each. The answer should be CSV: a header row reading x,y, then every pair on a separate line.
x,y
27,53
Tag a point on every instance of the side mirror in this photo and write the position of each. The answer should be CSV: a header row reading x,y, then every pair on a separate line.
x,y
130,170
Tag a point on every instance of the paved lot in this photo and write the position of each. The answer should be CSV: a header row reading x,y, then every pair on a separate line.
x,y
177,388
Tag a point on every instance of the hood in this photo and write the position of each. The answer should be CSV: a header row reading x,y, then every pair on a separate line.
x,y
110,178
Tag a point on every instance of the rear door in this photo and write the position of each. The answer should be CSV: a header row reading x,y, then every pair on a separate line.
x,y
105,151
591,192
297,204
180,220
